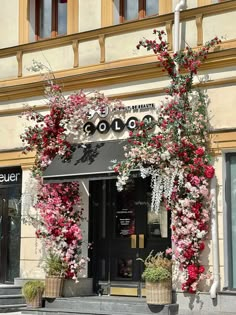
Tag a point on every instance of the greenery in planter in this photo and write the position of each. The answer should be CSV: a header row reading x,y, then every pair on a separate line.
x,y
54,266
31,288
157,267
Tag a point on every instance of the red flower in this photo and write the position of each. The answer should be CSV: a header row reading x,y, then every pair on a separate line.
x,y
200,151
209,171
201,246
201,269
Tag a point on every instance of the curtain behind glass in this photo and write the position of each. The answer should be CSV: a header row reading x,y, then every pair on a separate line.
x,y
45,18
62,17
131,9
152,7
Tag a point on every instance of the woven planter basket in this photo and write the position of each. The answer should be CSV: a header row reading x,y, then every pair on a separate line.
x,y
53,287
159,292
36,302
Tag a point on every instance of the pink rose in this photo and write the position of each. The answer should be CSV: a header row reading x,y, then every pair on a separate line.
x,y
209,171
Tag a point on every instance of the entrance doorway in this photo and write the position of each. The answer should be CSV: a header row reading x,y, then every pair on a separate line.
x,y
122,229
10,226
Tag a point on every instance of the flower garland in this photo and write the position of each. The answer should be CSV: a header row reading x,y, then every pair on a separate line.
x,y
58,205
173,151
61,214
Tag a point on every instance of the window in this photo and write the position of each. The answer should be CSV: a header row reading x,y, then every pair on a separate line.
x,y
230,194
51,18
137,9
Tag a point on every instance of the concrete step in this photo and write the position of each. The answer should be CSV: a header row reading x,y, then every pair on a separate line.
x,y
8,308
11,299
102,306
9,289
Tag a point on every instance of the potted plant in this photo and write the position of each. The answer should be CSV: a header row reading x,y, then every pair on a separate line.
x,y
55,270
33,291
158,278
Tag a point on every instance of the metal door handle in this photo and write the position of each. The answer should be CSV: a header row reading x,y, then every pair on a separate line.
x,y
133,241
141,240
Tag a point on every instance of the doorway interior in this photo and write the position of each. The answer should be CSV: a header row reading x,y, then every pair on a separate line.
x,y
122,229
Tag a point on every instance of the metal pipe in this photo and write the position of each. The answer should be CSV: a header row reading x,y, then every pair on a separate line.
x,y
178,7
214,227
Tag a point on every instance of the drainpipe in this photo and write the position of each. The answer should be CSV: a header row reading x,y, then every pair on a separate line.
x,y
214,227
178,7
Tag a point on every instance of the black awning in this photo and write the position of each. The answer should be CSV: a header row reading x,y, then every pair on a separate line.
x,y
88,160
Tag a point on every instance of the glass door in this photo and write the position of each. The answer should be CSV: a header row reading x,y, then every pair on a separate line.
x,y
10,226
123,228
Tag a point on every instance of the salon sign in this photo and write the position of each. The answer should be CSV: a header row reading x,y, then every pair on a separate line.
x,y
117,124
9,176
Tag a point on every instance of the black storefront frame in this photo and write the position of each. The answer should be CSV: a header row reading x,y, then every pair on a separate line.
x,y
4,189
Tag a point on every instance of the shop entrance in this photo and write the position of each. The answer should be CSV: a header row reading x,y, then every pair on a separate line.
x,y
10,226
122,229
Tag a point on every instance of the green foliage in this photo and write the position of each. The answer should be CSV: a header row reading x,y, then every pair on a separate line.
x,y
157,267
54,266
31,288
151,274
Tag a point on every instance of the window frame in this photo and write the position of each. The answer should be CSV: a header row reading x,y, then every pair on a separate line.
x,y
141,11
228,226
54,20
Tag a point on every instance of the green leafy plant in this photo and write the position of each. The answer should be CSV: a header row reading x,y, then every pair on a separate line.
x,y
54,266
157,267
31,288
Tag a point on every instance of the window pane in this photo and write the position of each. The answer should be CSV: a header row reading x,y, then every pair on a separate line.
x,y
152,7
233,216
131,9
62,17
45,18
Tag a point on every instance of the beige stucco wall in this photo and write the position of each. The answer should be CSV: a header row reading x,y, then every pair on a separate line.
x,y
9,17
9,68
60,58
123,46
32,251
89,15
89,53
220,25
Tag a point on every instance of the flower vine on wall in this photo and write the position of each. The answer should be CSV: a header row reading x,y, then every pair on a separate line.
x,y
173,150
59,205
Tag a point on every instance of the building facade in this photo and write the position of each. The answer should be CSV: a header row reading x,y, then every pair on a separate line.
x,y
91,45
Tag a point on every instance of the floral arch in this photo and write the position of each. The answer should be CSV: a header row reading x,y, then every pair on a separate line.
x,y
173,150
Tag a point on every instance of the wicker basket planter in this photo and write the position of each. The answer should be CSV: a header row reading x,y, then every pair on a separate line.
x,y
36,302
159,292
53,286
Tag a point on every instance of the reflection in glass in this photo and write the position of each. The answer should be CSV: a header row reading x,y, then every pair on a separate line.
x,y
62,18
45,18
131,9
14,228
157,222
152,7
125,268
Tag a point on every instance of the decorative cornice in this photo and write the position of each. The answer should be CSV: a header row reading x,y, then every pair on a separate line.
x,y
106,74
